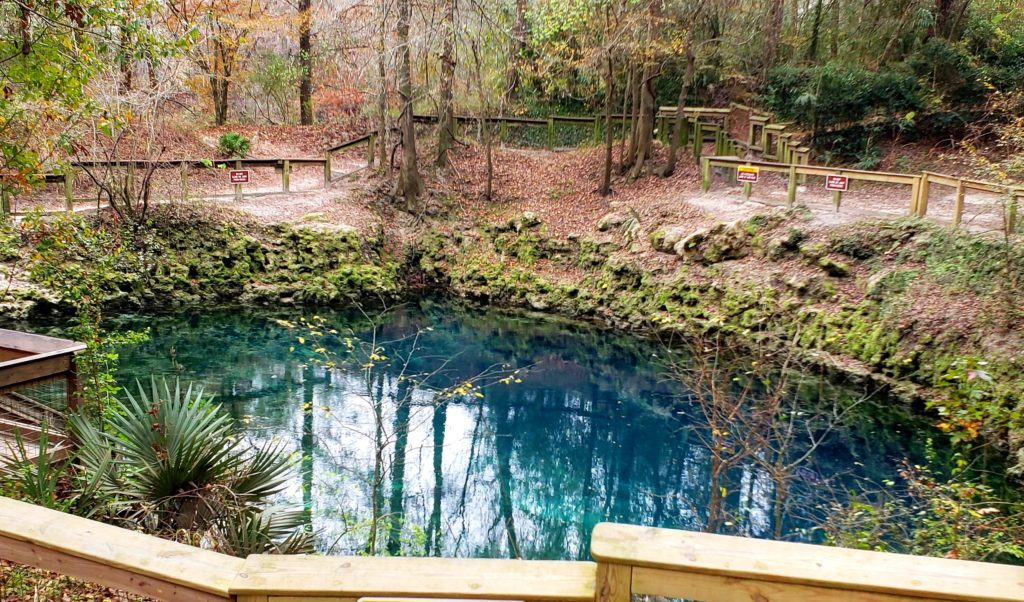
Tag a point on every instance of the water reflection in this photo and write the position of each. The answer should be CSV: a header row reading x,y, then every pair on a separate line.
x,y
593,432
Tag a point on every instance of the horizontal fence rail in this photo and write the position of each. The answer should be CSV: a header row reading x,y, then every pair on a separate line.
x,y
629,560
720,568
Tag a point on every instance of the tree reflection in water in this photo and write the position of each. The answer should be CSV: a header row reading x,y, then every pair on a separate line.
x,y
593,432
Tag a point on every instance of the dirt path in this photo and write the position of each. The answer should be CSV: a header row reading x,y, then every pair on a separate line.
x,y
558,186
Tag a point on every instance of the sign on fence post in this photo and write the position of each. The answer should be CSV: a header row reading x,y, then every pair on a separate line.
x,y
238,176
747,173
838,185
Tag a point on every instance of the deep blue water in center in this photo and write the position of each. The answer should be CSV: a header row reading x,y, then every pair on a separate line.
x,y
592,431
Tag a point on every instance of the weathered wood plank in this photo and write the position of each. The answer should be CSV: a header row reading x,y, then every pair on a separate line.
x,y
350,576
806,565
33,368
35,343
112,556
42,557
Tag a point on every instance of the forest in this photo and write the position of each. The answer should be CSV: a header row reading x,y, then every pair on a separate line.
x,y
466,278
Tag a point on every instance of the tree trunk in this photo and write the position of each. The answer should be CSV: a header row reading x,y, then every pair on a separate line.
x,y
409,182
680,120
305,62
627,95
609,91
126,62
812,48
772,33
517,53
634,113
382,93
446,119
645,126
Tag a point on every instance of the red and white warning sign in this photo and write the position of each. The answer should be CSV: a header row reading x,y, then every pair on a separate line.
x,y
239,176
837,183
746,173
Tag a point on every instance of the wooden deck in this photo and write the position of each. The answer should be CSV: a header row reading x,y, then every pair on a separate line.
x,y
25,419
27,362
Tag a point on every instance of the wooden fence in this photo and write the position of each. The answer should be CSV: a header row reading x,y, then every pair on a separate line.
x,y
739,133
918,193
629,560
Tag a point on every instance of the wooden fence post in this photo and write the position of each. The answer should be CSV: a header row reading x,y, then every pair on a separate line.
x,y
922,202
69,189
503,132
184,181
371,150
327,169
551,133
1011,213
597,131
791,187
5,205
958,207
286,176
238,187
685,124
614,582
748,188
705,174
698,139
915,193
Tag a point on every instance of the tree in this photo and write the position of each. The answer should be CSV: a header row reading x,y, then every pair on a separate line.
x,y
772,36
383,131
306,62
52,52
680,121
410,184
446,113
222,28
517,52
609,89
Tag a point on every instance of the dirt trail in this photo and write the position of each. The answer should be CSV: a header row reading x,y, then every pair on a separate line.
x,y
559,186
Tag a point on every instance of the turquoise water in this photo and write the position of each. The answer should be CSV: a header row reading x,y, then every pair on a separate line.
x,y
587,430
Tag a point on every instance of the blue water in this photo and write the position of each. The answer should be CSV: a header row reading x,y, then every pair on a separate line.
x,y
586,428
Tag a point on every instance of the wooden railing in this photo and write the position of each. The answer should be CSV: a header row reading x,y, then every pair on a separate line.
x,y
630,560
919,184
776,143
718,568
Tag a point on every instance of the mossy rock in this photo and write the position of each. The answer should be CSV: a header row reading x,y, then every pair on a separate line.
x,y
834,268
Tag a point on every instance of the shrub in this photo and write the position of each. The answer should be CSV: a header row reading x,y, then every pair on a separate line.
x,y
233,145
951,73
830,95
168,460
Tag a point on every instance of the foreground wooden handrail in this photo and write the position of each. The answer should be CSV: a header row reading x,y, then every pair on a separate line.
x,y
631,560
112,556
719,568
335,577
